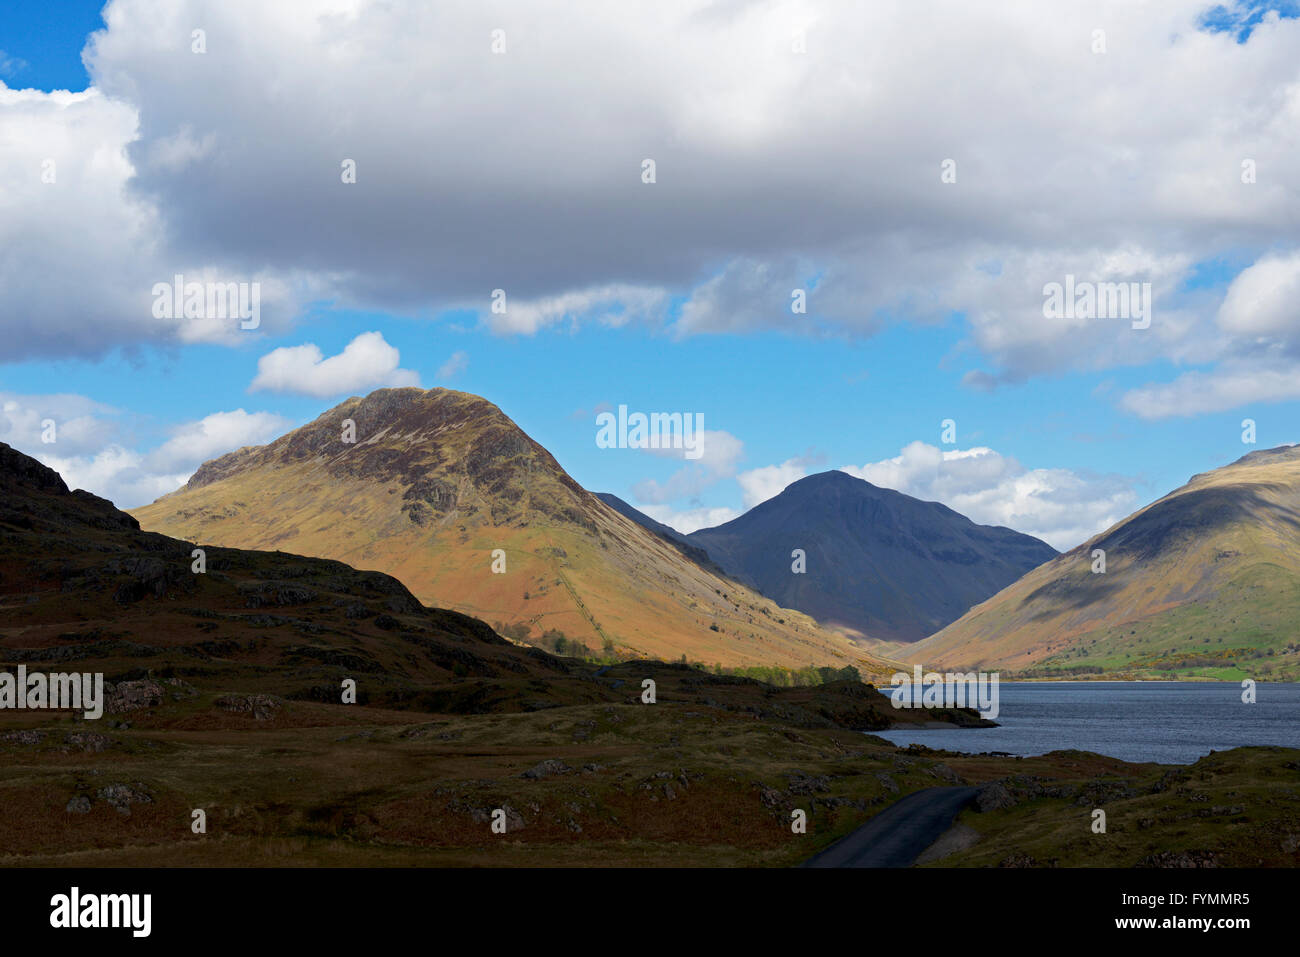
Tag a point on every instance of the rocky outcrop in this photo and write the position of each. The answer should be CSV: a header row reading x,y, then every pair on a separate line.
x,y
263,707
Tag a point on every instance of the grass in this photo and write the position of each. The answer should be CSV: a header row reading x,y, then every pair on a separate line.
x,y
1238,808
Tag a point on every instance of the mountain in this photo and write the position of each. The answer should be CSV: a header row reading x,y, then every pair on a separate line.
x,y
1203,581
666,532
81,582
878,562
437,485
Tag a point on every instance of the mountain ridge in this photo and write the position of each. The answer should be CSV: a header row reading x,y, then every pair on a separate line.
x,y
436,484
880,563
1203,581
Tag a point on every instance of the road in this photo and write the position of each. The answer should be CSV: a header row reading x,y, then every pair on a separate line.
x,y
897,835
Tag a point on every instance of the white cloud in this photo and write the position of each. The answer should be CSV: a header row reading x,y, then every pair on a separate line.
x,y
83,249
193,443
89,450
80,424
455,365
1063,507
1233,384
164,168
719,454
613,305
760,484
1264,299
691,519
1260,363
367,362
118,474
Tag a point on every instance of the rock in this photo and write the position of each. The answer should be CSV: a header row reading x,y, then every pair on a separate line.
x,y
801,783
545,769
121,796
23,737
887,780
263,707
994,797
78,805
1101,793
945,773
514,820
88,741
132,695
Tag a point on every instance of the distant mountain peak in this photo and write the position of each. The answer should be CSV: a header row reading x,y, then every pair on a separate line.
x,y
878,562
437,445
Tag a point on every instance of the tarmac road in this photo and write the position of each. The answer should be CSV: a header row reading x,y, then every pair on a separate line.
x,y
897,835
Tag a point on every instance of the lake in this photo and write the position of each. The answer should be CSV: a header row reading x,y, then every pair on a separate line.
x,y
1166,721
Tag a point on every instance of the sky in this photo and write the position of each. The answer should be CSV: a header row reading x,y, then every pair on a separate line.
x,y
921,175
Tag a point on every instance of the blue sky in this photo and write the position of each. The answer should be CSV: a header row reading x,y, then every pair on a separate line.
x,y
865,375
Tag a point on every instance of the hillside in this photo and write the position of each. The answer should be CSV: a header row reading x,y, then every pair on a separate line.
x,y
667,532
436,482
879,563
81,583
1203,582
224,694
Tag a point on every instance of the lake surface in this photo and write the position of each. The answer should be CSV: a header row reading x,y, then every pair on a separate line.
x,y
1166,721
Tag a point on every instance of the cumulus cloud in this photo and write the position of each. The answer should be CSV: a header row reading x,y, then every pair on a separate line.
x,y
164,166
690,519
79,424
213,435
1261,360
95,459
117,474
367,362
1063,507
719,454
1264,299
760,484
83,250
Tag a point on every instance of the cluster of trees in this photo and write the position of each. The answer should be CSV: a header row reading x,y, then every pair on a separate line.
x,y
556,641
792,677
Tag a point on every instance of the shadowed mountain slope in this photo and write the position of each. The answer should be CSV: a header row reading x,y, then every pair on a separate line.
x,y
81,586
1204,581
878,562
